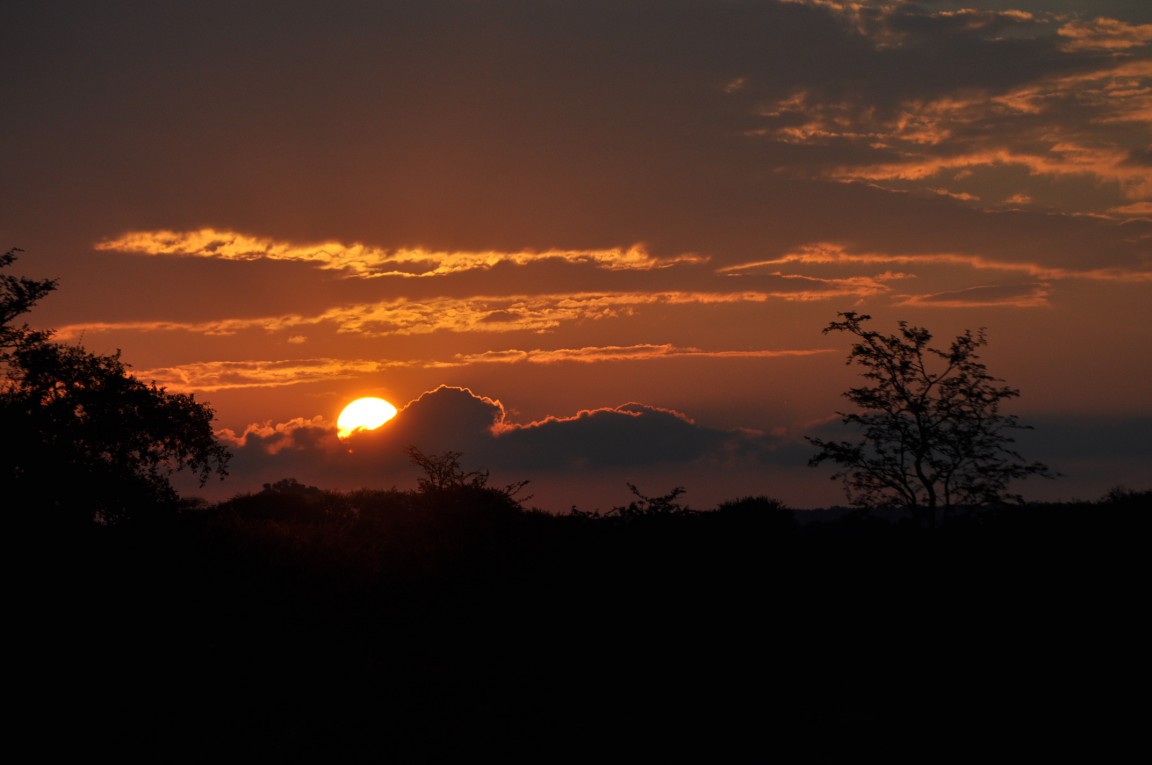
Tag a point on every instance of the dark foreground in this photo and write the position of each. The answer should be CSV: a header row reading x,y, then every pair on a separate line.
x,y
293,630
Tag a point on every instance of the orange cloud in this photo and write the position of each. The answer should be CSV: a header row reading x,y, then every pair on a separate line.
x,y
73,332
363,261
826,253
229,375
232,375
514,313
1067,127
1104,34
643,352
1137,210
1104,163
960,195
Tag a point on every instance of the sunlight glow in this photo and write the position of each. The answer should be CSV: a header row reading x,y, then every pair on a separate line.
x,y
364,414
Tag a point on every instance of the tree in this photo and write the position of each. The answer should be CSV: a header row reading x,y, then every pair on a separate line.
x,y
443,474
934,437
17,296
81,437
646,507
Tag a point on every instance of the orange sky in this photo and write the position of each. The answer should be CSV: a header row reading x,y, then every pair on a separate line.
x,y
614,231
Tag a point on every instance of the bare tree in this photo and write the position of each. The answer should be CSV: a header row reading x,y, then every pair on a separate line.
x,y
442,472
933,435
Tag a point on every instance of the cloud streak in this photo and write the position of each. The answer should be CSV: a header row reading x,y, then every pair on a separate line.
x,y
595,355
493,314
1104,34
983,296
234,375
209,376
828,253
364,261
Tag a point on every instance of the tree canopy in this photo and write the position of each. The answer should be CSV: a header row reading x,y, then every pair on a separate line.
x,y
933,434
82,437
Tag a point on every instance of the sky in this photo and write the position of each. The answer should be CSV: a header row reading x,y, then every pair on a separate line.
x,y
589,244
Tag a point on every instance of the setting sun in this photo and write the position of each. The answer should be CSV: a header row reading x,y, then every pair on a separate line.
x,y
364,414
645,306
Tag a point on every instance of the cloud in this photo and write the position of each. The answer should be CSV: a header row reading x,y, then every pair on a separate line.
x,y
829,253
491,314
446,419
598,354
983,296
1091,437
921,153
1026,97
233,375
631,435
1104,34
553,183
364,261
1141,210
296,435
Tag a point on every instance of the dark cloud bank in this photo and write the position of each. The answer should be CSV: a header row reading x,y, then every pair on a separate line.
x,y
588,459
585,447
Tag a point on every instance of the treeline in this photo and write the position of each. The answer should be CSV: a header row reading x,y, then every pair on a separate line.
x,y
438,623
294,538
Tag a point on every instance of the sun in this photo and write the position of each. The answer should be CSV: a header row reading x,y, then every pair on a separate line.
x,y
364,414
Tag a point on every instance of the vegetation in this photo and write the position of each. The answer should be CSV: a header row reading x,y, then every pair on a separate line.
x,y
450,621
933,434
83,439
443,474
428,625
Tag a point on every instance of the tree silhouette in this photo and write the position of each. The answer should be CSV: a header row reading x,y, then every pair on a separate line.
x,y
933,434
443,473
81,437
17,296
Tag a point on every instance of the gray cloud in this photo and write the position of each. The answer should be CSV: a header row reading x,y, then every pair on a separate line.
x,y
449,418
